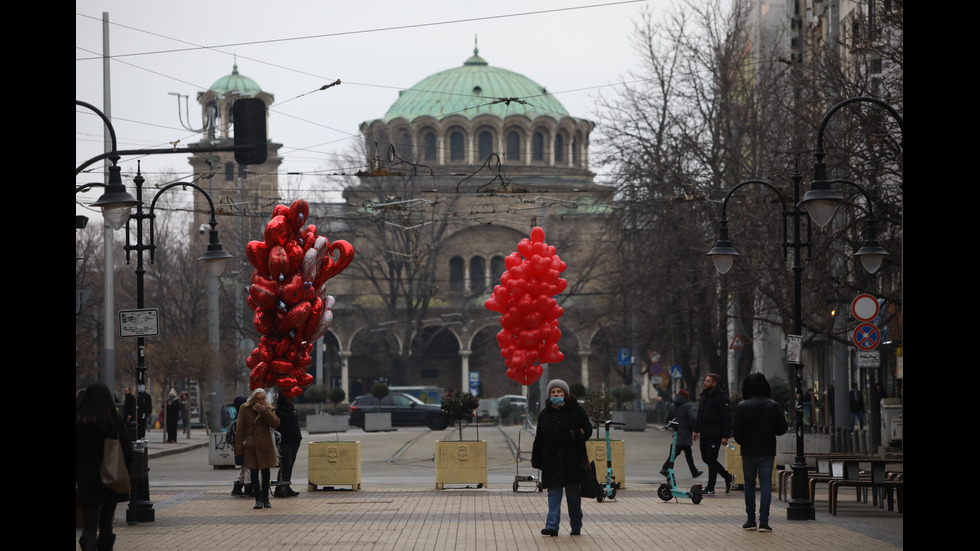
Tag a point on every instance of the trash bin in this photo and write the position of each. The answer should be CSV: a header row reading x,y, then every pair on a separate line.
x,y
891,423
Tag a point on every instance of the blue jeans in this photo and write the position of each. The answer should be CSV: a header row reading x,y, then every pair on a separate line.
x,y
573,496
762,466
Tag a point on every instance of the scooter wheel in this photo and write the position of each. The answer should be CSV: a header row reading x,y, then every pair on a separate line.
x,y
602,496
664,493
696,494
612,493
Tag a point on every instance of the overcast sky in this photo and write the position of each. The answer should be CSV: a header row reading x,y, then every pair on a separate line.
x,y
577,49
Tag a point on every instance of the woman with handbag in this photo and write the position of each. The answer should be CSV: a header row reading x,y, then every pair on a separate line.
x,y
97,423
559,451
254,441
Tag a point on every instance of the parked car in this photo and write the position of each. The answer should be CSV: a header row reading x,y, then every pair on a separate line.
x,y
405,410
514,399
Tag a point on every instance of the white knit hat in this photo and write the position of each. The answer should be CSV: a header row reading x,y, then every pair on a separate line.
x,y
558,383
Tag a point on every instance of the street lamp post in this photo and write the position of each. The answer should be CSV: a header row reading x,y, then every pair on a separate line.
x,y
723,255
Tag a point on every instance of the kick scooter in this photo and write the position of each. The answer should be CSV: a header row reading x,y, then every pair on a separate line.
x,y
669,490
609,489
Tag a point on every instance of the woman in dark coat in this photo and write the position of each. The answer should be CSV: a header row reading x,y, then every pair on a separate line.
x,y
173,416
559,451
254,441
291,439
96,419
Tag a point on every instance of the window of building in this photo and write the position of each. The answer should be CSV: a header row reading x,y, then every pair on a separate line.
x,y
559,150
478,274
429,143
537,147
497,268
513,146
456,149
485,145
404,147
456,274
575,152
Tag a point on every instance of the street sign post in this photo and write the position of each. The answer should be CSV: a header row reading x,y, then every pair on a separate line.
x,y
139,323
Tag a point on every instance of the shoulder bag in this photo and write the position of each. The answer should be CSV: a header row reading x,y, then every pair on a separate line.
x,y
115,475
589,484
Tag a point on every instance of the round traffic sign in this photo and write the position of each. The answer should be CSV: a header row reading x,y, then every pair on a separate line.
x,y
864,307
655,368
866,336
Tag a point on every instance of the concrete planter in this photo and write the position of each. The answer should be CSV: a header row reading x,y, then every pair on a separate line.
x,y
374,422
334,464
461,462
634,420
596,450
316,424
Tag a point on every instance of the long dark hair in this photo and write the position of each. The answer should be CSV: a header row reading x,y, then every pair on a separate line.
x,y
97,408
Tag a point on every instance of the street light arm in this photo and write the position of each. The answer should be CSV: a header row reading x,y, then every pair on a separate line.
x,y
105,119
213,223
834,109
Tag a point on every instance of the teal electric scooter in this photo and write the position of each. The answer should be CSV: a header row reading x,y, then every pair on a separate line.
x,y
610,487
669,490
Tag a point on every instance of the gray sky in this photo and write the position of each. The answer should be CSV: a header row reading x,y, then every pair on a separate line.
x,y
577,49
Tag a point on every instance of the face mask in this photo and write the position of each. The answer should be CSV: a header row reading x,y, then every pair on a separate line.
x,y
555,401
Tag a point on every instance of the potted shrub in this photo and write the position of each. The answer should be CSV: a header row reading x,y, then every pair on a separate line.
x,y
598,406
321,422
462,461
633,420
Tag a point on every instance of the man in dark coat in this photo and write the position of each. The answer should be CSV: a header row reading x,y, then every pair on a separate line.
x,y
714,426
758,421
144,408
682,411
559,451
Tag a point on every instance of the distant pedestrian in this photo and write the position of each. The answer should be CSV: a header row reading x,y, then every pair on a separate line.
x,y
559,451
243,483
857,406
185,412
144,411
758,421
682,411
173,416
714,426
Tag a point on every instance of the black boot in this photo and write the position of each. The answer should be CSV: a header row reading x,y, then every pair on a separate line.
x,y
290,492
258,502
280,490
265,495
237,490
87,544
247,490
106,541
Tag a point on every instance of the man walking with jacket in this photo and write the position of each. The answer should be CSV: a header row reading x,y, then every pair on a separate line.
x,y
713,427
758,421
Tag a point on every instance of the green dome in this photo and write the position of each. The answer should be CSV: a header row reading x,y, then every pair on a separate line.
x,y
235,83
475,89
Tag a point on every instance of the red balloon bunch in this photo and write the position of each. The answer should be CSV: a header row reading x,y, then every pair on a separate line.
x,y
529,311
288,296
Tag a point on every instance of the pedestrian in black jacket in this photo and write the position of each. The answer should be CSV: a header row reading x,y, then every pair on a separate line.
x,y
559,451
289,444
714,426
758,421
96,419
682,411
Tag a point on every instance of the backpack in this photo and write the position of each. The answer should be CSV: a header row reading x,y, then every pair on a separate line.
x,y
230,434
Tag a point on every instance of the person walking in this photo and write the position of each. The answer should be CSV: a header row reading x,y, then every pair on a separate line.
x,y
714,426
185,413
857,406
243,483
172,416
559,451
144,410
253,440
129,408
96,419
758,421
682,411
288,445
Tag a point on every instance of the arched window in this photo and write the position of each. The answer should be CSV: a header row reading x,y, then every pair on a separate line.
x,y
456,148
404,147
497,268
559,150
478,274
574,152
513,146
456,274
429,143
537,147
485,145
